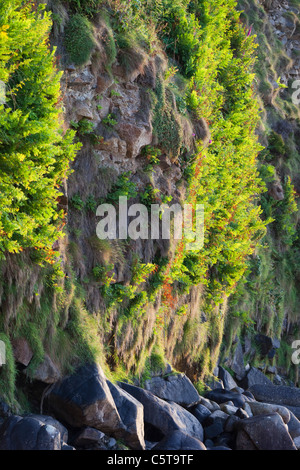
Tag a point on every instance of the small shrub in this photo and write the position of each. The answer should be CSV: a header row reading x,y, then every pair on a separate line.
x,y
84,7
84,126
276,144
122,187
79,40
109,121
77,202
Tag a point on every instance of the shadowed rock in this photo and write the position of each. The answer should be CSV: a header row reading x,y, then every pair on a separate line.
x,y
263,432
277,394
32,433
165,417
177,388
84,399
178,440
131,412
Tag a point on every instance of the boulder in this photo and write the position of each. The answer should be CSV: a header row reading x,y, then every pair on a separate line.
x,y
255,376
131,412
216,416
162,417
89,438
237,363
263,432
178,440
201,412
49,420
215,383
293,426
297,442
267,345
229,409
213,430
277,394
210,404
177,388
259,408
241,414
84,399
231,423
295,410
22,351
47,372
30,433
222,396
227,379
248,409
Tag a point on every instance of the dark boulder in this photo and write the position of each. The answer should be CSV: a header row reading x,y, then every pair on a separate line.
x,y
277,394
84,399
178,440
131,412
254,376
222,396
227,379
162,417
177,388
214,430
201,412
263,432
31,433
237,363
267,346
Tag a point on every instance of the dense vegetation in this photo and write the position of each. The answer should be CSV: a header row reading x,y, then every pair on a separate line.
x,y
147,320
35,154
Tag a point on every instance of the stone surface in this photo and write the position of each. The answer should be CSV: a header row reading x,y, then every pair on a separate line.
x,y
30,433
237,364
293,425
165,417
49,420
255,376
131,412
241,413
135,136
263,432
177,440
215,417
177,388
297,442
277,394
210,404
201,412
89,438
84,399
230,423
229,409
266,344
47,371
22,351
83,110
227,379
259,408
214,430
222,396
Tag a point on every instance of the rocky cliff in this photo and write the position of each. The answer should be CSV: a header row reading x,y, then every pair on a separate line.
x,y
166,104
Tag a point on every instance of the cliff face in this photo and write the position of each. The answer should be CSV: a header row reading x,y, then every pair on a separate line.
x,y
270,298
167,116
133,148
